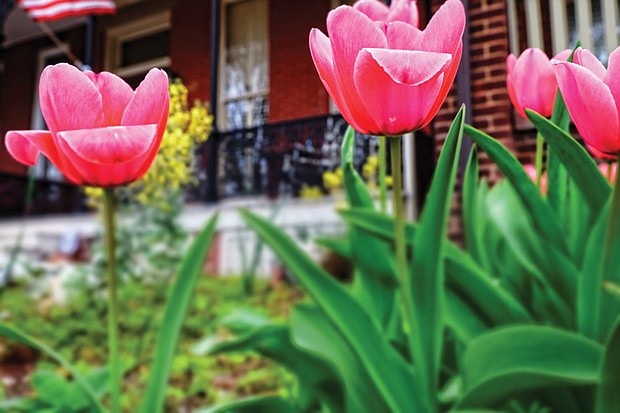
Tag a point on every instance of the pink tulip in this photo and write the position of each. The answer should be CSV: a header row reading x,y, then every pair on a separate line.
x,y
531,172
592,95
531,81
101,132
386,76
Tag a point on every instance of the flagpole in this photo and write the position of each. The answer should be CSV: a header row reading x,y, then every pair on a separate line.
x,y
62,46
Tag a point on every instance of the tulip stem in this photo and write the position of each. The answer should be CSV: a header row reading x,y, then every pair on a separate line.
x,y
109,209
540,147
382,174
399,235
609,171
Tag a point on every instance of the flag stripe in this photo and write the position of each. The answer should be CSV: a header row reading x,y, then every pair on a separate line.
x,y
48,10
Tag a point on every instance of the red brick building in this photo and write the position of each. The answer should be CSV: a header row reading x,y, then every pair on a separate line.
x,y
250,59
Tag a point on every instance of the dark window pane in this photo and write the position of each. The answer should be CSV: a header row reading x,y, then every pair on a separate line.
x,y
146,48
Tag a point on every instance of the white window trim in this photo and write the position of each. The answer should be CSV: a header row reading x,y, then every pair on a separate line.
x,y
221,87
118,35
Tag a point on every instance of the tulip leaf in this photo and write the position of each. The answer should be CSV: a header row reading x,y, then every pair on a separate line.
x,y
314,333
317,378
388,369
578,163
177,305
15,334
557,178
375,281
539,210
506,362
463,274
427,270
471,226
607,395
260,404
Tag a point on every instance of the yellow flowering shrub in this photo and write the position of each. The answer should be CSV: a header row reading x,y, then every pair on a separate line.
x,y
172,169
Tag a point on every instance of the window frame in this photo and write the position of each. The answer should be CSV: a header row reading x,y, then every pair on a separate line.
x,y
118,35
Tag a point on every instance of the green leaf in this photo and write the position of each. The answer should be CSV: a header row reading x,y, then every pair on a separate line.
x,y
317,378
375,282
13,333
314,333
578,163
471,227
463,275
177,305
391,373
427,266
539,210
607,395
261,404
506,362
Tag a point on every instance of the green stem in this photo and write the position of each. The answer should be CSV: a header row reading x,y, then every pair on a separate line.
x,y
109,208
540,148
609,171
399,236
382,174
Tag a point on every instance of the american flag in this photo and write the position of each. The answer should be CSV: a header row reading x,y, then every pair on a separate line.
x,y
49,10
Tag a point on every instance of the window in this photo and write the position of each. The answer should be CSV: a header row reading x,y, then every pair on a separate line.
x,y
134,48
594,22
244,64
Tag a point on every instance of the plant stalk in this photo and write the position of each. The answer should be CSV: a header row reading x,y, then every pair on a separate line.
x,y
540,148
109,210
382,174
399,236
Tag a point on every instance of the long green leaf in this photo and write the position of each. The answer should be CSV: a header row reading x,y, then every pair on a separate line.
x,y
391,373
539,210
607,395
261,404
471,226
427,267
13,333
317,379
314,333
374,282
464,275
579,164
177,305
504,363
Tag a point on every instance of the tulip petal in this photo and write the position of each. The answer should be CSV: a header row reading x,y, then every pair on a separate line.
x,y
447,82
441,36
109,156
403,36
322,56
591,106
399,102
110,145
147,104
612,76
69,100
349,32
115,95
586,58
374,9
400,11
511,61
20,147
563,55
534,83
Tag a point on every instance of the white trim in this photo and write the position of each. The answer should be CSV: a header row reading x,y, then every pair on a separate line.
x,y
534,23
583,13
609,9
559,25
513,27
117,35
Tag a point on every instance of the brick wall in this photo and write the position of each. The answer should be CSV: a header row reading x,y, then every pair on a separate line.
x,y
295,88
190,46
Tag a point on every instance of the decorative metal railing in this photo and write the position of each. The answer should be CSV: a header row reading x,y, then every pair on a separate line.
x,y
48,197
280,158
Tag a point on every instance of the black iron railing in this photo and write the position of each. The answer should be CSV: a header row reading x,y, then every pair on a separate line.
x,y
49,197
280,158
